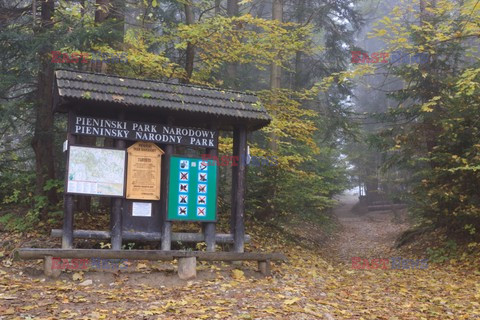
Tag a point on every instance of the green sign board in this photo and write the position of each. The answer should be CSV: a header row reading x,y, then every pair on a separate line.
x,y
192,193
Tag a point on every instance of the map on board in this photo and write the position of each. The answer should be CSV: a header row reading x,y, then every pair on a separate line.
x,y
96,171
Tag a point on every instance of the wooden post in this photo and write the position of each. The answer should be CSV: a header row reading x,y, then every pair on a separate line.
x,y
234,183
116,224
238,188
49,269
67,236
116,215
187,268
264,267
209,227
166,225
68,205
209,231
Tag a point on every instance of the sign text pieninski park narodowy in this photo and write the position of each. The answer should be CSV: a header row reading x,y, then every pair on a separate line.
x,y
140,131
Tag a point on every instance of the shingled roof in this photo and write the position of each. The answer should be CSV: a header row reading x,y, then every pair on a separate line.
x,y
123,91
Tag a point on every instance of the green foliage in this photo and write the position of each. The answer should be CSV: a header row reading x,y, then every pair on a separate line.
x,y
306,129
16,188
27,206
441,254
54,184
432,133
20,223
243,39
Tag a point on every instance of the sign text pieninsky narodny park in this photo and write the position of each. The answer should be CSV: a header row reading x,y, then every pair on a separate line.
x,y
140,131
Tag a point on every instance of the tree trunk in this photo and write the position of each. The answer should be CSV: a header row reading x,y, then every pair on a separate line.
x,y
231,79
298,56
102,12
43,139
276,71
134,9
232,8
260,10
190,53
275,84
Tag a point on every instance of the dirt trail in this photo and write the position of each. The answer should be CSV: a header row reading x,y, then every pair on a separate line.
x,y
366,235
306,287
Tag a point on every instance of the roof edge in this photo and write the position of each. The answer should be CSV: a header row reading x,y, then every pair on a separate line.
x,y
158,81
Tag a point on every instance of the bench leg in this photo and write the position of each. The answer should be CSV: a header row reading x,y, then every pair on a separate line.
x,y
264,267
48,268
187,268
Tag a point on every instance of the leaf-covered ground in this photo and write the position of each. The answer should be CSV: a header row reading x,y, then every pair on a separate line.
x,y
316,283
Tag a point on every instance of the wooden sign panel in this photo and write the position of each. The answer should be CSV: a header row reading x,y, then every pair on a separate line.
x,y
143,171
192,193
141,131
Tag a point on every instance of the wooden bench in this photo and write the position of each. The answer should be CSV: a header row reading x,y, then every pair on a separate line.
x,y
186,259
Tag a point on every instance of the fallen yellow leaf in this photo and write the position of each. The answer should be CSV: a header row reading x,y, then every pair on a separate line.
x,y
238,274
291,301
77,276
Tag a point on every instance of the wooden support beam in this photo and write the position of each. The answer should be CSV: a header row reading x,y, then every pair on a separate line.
x,y
209,227
116,226
238,188
166,225
67,235
147,236
166,231
152,255
234,184
210,237
68,205
117,205
116,215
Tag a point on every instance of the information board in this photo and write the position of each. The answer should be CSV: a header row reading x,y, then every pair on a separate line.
x,y
192,193
141,131
96,171
143,171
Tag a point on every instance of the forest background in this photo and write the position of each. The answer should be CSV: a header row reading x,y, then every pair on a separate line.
x,y
408,132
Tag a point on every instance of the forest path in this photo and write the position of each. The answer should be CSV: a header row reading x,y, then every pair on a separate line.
x,y
363,234
317,282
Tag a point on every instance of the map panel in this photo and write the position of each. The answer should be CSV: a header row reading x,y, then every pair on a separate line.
x,y
96,171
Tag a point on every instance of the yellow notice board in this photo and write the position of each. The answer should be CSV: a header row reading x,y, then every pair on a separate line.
x,y
143,171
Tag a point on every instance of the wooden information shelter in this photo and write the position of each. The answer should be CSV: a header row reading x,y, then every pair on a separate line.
x,y
153,123
152,171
